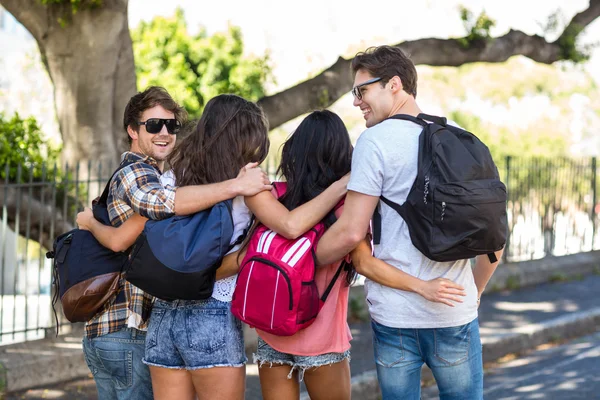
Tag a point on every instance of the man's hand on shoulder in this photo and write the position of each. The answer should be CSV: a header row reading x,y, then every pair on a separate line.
x,y
251,180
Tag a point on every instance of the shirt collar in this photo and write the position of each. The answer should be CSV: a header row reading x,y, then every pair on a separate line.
x,y
130,156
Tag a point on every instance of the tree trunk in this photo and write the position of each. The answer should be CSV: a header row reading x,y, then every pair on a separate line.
x,y
90,62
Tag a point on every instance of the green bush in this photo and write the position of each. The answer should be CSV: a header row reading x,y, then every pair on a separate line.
x,y
23,144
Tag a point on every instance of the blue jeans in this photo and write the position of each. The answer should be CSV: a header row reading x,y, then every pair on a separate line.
x,y
115,360
453,355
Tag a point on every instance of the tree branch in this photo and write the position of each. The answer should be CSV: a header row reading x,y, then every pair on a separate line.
x,y
31,13
586,17
327,87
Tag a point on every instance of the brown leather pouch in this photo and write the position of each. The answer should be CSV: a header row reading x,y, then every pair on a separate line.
x,y
82,301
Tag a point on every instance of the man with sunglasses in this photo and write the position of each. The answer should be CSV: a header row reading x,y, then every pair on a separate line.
x,y
114,341
410,327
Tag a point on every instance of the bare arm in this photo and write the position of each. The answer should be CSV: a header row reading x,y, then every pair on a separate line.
x,y
291,224
250,181
438,290
116,239
229,265
343,236
484,270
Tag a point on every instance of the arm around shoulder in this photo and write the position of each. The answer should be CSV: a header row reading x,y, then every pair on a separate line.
x,y
116,239
250,181
291,224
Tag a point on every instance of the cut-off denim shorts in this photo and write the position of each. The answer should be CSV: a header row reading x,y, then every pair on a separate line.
x,y
186,334
266,354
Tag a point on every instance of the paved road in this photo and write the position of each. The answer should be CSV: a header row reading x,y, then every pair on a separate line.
x,y
567,372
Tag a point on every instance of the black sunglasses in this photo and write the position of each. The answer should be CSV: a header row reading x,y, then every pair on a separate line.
x,y
356,89
154,125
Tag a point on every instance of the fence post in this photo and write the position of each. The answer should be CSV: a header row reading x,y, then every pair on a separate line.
x,y
506,183
593,211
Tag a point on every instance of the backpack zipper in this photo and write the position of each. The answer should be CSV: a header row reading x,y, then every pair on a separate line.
x,y
283,273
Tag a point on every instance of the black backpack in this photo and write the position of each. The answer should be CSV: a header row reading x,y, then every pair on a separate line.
x,y
86,274
456,208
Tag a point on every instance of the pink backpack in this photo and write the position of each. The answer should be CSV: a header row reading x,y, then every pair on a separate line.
x,y
276,290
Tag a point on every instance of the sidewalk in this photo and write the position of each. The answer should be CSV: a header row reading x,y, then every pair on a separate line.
x,y
510,322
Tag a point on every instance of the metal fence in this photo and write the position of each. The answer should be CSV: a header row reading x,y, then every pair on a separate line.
x,y
552,209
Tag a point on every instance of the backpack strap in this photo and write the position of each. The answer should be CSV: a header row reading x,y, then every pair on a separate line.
x,y
432,118
279,189
376,214
104,197
406,117
377,218
333,280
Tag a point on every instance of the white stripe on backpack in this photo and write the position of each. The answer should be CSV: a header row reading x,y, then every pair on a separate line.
x,y
274,299
261,241
247,283
302,244
268,242
300,253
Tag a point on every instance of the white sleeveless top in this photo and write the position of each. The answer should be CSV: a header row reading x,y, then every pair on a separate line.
x,y
223,290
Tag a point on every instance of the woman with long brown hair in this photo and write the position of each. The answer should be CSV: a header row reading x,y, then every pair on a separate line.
x,y
195,349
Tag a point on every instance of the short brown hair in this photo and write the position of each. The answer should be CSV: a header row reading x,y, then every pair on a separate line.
x,y
385,62
152,96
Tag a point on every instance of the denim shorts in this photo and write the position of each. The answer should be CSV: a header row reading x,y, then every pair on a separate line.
x,y
186,334
267,354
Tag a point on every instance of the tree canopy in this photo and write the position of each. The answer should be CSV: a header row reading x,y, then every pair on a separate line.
x,y
195,68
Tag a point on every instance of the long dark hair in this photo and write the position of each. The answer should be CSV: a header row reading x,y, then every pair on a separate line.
x,y
318,153
231,132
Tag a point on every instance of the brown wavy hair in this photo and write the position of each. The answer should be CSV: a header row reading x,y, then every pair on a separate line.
x,y
231,132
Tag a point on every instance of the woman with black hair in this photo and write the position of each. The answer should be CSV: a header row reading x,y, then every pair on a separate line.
x,y
317,154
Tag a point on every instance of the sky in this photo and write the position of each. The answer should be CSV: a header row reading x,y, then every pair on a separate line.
x,y
306,37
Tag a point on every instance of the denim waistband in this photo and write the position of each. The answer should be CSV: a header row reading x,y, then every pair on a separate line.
x,y
172,305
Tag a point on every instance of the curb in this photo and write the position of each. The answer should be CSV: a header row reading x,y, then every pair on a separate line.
x,y
548,269
577,324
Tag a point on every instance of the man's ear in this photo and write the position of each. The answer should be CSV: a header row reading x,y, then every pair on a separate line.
x,y
132,133
396,84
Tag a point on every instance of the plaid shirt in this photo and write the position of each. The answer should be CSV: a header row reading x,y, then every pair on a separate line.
x,y
135,188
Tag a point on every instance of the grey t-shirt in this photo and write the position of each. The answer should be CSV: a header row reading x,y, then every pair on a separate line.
x,y
384,162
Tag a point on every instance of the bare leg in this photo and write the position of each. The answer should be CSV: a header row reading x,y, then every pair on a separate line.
x,y
274,382
172,384
329,382
220,383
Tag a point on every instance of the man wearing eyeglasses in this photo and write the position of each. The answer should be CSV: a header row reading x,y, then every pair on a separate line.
x,y
409,328
114,341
